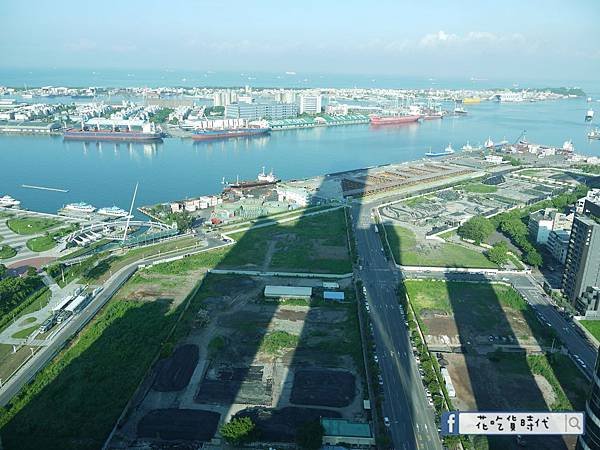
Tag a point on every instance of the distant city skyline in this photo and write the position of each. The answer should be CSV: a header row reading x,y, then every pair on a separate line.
x,y
526,40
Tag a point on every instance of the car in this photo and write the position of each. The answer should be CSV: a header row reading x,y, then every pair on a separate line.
x,y
386,421
380,380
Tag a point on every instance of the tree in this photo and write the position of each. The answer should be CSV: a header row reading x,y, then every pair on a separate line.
x,y
533,257
3,271
238,430
309,436
477,228
498,254
31,271
182,219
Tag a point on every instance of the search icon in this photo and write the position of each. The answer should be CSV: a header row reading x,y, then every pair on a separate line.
x,y
574,422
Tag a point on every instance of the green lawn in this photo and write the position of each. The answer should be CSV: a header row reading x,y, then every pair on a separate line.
x,y
49,241
308,244
478,188
31,225
25,332
407,252
593,326
7,252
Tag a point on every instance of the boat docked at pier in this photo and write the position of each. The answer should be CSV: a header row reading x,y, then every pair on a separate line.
x,y
263,179
80,207
7,201
228,133
589,115
99,129
394,119
447,151
594,134
113,212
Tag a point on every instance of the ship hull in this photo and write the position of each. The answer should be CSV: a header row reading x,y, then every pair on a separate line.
x,y
229,134
377,121
75,135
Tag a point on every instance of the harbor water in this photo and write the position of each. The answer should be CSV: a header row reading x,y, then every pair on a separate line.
x,y
104,174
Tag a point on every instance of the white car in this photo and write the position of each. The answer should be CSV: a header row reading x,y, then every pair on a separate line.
x,y
386,421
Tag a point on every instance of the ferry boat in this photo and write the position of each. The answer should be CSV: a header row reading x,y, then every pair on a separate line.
x,y
80,207
8,202
589,115
447,151
114,130
113,211
394,120
227,133
594,134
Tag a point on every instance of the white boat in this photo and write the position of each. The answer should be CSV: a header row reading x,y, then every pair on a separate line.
x,y
268,177
489,143
8,202
469,148
113,211
594,134
568,146
80,207
589,115
447,151
460,111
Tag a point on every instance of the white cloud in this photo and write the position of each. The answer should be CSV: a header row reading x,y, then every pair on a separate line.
x,y
434,39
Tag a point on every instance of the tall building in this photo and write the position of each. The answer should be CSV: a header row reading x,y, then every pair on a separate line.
x,y
591,439
558,244
310,104
542,222
582,266
255,111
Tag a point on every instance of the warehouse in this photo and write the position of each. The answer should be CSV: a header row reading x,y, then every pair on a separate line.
x,y
288,292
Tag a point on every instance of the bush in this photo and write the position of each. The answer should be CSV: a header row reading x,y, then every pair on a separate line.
x,y
239,431
477,228
498,254
310,435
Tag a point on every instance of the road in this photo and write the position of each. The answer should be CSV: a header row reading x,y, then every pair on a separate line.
x,y
412,424
78,321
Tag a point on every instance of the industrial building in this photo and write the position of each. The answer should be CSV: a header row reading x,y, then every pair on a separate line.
x,y
279,292
582,266
35,127
335,296
298,195
310,104
256,111
338,431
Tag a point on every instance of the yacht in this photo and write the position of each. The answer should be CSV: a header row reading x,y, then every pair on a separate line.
x,y
113,211
594,134
80,207
7,201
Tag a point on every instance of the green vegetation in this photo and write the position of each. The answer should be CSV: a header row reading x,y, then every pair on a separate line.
x,y
309,244
106,362
415,201
498,254
161,115
32,303
310,435
477,228
593,326
7,252
25,332
478,188
238,431
14,291
275,342
408,252
49,240
216,345
513,161
589,168
31,225
182,219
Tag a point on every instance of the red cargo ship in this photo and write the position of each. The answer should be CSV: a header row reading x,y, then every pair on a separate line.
x,y
394,120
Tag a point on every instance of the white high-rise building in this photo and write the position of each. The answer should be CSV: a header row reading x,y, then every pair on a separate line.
x,y
310,104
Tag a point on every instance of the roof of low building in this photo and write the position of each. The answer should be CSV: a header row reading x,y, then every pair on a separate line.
x,y
347,428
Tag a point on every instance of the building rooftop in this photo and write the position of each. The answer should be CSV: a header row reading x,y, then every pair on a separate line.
x,y
287,291
343,427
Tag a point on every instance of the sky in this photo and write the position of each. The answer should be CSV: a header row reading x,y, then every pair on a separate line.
x,y
482,39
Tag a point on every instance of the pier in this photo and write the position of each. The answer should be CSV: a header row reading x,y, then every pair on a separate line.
x,y
44,188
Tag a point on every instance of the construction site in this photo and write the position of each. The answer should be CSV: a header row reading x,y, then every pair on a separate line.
x,y
281,362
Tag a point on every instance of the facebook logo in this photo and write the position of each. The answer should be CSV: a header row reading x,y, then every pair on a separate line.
x,y
449,423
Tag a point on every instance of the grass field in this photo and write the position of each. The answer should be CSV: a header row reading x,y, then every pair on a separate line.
x,y
408,252
479,188
31,225
48,241
309,244
7,252
478,309
593,326
25,332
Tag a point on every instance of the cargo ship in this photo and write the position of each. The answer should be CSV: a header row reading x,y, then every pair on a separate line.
x,y
109,130
447,151
263,179
228,133
394,120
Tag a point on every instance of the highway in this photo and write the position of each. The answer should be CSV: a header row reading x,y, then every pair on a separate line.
x,y
412,424
78,321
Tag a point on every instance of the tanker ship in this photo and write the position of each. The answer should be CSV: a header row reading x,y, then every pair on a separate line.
x,y
113,130
263,179
227,133
394,120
